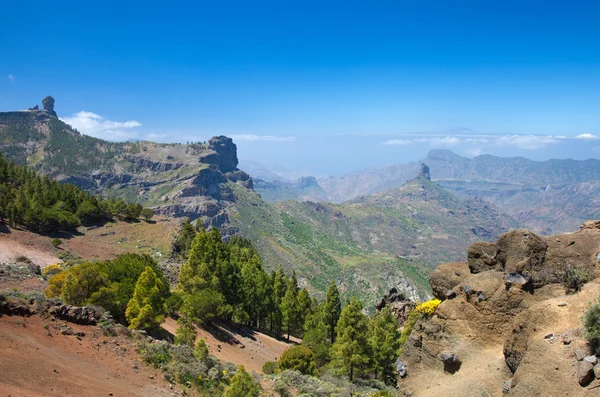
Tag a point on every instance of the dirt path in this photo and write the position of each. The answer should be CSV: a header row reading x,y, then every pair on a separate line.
x,y
242,346
34,364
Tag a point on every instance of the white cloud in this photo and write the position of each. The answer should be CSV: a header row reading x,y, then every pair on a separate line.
x,y
589,137
397,142
92,124
527,142
11,77
268,138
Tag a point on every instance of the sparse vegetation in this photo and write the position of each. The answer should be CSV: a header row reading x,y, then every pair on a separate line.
x,y
591,323
574,278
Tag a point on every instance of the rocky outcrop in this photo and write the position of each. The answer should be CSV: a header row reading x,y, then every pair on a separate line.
x,y
143,164
425,171
399,304
48,104
506,309
223,153
447,276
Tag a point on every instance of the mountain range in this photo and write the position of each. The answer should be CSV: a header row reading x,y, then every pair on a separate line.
x,y
553,196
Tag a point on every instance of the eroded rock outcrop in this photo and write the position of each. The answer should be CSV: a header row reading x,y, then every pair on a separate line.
x,y
507,310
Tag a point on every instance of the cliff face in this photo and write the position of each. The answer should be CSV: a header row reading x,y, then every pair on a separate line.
x,y
174,179
511,315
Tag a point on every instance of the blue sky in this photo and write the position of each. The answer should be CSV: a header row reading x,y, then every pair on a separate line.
x,y
323,87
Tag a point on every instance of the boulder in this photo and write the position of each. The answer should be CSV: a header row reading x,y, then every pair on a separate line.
x,y
518,280
597,371
482,257
591,359
521,251
451,362
447,276
585,372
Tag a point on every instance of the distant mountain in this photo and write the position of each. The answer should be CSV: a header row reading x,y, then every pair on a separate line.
x,y
553,196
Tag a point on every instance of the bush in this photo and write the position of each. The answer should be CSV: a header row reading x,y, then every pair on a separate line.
x,y
243,385
299,358
591,323
51,270
157,354
574,278
269,368
56,242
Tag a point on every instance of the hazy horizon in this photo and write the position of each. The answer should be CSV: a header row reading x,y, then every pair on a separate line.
x,y
320,88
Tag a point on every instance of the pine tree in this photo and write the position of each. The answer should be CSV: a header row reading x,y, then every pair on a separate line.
x,y
242,385
350,352
316,336
279,290
290,308
304,307
332,308
146,309
384,340
186,333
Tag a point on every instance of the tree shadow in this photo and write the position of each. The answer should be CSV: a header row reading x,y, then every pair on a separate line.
x,y
4,229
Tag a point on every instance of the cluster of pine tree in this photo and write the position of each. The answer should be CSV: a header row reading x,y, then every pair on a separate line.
x,y
226,280
43,205
346,341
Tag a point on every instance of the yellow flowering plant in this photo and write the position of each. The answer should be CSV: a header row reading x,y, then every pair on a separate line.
x,y
428,308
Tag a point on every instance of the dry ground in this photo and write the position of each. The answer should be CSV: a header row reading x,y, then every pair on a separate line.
x,y
34,364
104,242
239,345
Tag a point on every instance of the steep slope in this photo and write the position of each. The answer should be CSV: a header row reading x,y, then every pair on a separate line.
x,y
369,243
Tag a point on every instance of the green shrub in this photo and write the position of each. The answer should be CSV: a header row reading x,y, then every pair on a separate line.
x,y
157,354
56,242
269,368
574,278
412,319
299,358
591,323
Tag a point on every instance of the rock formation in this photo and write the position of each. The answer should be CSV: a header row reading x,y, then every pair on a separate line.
x,y
508,314
425,171
48,104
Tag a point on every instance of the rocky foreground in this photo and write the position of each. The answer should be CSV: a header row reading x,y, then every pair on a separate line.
x,y
510,320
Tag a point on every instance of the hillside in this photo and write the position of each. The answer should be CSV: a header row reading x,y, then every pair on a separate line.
x,y
368,245
380,238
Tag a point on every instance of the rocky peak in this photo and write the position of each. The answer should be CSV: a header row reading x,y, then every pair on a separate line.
x,y
425,171
226,152
48,104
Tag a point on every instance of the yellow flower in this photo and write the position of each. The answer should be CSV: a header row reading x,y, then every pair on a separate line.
x,y
428,307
